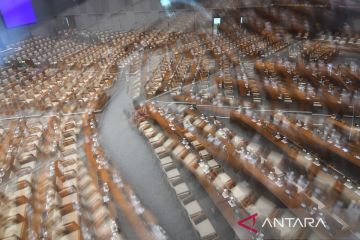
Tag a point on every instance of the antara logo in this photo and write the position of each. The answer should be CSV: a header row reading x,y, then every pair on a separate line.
x,y
253,217
281,222
294,222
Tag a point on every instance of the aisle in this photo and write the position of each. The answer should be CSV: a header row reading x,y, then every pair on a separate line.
x,y
140,168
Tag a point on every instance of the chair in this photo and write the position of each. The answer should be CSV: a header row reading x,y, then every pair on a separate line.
x,y
157,140
70,145
181,190
74,235
191,161
149,132
237,142
14,230
253,147
161,152
275,157
199,123
193,210
206,230
87,188
11,238
287,232
103,231
70,217
179,152
29,165
324,180
198,146
173,175
18,210
70,155
100,215
70,198
69,231
213,164
262,206
209,128
166,163
241,192
205,154
221,181
23,176
143,126
190,137
303,159
23,192
68,180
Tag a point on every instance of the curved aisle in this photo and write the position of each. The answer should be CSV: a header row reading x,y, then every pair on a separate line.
x,y
139,166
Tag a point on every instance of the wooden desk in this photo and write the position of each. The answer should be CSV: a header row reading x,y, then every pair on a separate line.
x,y
306,137
292,202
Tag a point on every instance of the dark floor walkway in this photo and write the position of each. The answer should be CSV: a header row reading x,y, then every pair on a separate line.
x,y
139,166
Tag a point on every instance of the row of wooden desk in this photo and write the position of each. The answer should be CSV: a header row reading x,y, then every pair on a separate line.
x,y
293,201
120,191
312,169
